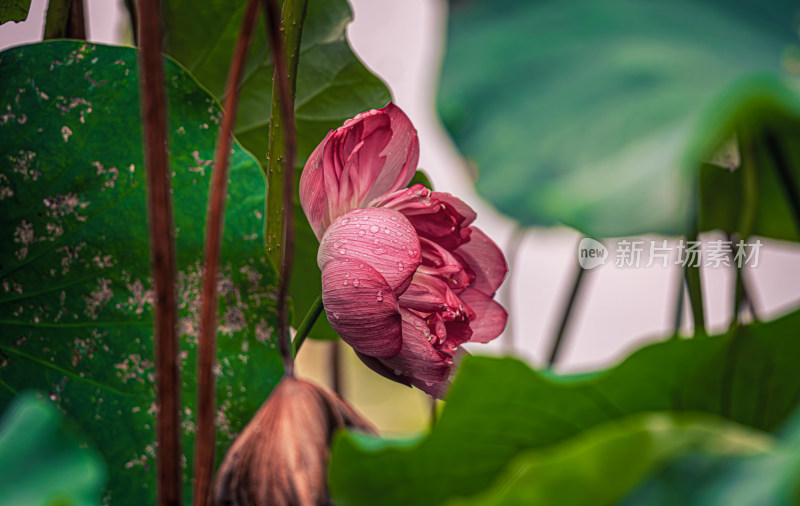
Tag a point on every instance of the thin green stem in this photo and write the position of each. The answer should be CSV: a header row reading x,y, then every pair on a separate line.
x,y
65,20
284,38
680,294
691,270
784,172
293,16
307,324
558,341
695,288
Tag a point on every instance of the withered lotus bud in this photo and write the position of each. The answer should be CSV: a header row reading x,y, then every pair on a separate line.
x,y
281,457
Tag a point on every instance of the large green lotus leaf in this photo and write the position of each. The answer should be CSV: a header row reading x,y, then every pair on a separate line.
x,y
597,115
332,86
42,461
708,480
76,301
499,408
601,465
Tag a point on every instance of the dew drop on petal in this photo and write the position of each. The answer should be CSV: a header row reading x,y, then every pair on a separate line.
x,y
429,383
379,251
356,282
342,251
345,282
400,266
373,229
360,232
380,296
336,315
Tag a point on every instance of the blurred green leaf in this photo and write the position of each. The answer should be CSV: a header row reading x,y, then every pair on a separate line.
x,y
421,177
600,465
332,86
498,409
709,480
14,10
76,303
597,115
42,462
752,199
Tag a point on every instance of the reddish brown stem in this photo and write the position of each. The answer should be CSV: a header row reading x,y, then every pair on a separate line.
x,y
282,83
206,387
162,251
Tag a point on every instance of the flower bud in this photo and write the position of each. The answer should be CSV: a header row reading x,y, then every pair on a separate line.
x,y
281,456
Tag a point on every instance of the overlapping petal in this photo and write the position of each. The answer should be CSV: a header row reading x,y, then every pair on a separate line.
x,y
371,154
489,317
381,238
361,308
484,261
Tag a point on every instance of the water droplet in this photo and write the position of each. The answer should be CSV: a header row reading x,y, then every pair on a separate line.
x,y
429,383
379,251
356,282
400,266
375,241
374,229
360,266
342,251
347,274
412,253
379,298
360,232
345,221
397,372
387,231
345,282
336,315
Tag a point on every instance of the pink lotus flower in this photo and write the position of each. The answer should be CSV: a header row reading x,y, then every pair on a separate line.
x,y
405,279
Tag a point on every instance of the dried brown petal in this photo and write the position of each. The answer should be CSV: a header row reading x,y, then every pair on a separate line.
x,y
281,457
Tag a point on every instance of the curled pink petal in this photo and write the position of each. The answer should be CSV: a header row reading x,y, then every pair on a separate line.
x,y
484,260
312,189
417,358
490,317
374,153
401,155
437,261
361,308
352,160
437,216
381,238
379,367
432,295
